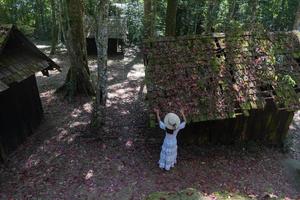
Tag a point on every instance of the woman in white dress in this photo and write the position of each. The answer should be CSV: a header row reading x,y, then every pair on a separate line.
x,y
172,126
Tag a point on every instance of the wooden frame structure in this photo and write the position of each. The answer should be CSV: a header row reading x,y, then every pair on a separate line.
x,y
20,106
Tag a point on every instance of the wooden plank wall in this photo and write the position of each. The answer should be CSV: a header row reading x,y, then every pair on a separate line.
x,y
268,126
21,113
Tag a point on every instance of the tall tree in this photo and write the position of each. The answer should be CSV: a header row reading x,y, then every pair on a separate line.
x,y
78,77
171,18
40,18
102,43
54,28
297,19
62,22
149,18
102,10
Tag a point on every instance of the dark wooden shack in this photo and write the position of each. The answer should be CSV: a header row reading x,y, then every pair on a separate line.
x,y
20,105
235,87
117,30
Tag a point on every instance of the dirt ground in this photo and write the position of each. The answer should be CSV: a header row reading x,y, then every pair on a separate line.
x,y
57,163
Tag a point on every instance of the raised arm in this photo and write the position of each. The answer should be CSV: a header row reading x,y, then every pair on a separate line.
x,y
183,115
161,124
157,114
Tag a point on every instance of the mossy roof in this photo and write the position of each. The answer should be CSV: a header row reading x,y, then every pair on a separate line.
x,y
20,58
221,76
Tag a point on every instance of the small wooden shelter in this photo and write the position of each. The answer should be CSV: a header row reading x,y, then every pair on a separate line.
x,y
117,30
234,87
20,105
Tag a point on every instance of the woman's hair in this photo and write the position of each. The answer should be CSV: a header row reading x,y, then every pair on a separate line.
x,y
169,131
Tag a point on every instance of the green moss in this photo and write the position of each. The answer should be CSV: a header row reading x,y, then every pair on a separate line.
x,y
160,195
246,113
193,194
152,121
231,115
187,194
215,65
227,195
253,105
1,40
296,54
196,57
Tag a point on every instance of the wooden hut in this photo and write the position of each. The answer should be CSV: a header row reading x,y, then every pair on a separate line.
x,y
20,105
117,30
235,87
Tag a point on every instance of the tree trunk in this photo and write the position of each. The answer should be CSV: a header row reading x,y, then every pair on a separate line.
x,y
63,22
43,21
37,18
102,44
297,19
149,19
171,18
78,77
40,18
54,34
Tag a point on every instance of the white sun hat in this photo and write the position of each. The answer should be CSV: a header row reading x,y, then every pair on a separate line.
x,y
172,121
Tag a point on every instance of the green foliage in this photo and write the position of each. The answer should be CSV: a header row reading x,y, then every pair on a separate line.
x,y
134,15
193,16
32,17
285,93
196,17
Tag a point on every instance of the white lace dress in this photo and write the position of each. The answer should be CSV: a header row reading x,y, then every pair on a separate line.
x,y
168,154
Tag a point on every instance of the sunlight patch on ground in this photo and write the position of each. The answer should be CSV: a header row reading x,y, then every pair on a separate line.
x,y
92,62
47,93
62,134
88,107
129,143
76,113
32,161
76,124
120,94
137,72
65,136
124,112
296,120
89,174
48,96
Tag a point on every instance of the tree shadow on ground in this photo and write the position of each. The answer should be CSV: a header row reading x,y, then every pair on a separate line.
x,y
123,163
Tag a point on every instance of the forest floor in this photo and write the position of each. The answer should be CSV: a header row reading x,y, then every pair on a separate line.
x,y
57,163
